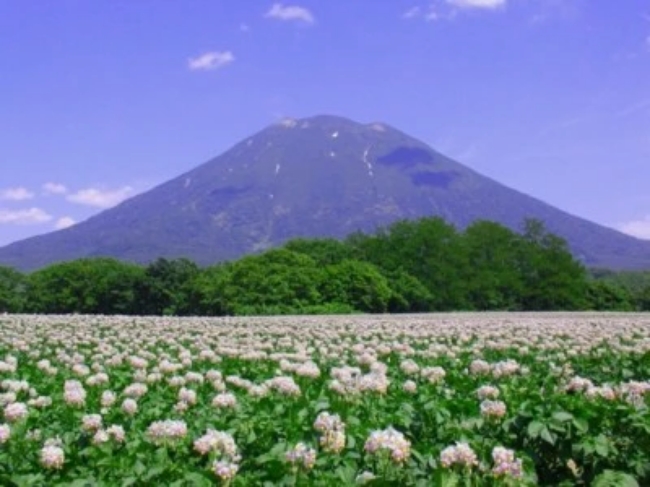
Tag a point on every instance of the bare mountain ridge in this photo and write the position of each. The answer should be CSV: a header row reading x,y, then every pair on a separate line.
x,y
319,176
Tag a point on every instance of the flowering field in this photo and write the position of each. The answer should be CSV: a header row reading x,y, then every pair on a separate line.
x,y
449,399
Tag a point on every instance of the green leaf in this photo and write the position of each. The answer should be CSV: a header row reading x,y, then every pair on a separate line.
x,y
547,436
562,416
612,478
581,425
83,483
535,428
601,444
197,479
27,480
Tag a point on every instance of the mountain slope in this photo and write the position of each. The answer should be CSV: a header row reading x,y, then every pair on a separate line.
x,y
320,176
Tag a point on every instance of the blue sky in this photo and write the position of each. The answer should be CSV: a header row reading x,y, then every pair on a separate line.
x,y
101,100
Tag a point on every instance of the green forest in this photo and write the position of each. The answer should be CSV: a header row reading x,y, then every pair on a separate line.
x,y
411,266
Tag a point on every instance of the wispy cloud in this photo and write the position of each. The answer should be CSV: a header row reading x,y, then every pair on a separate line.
x,y
100,198
412,13
243,27
637,228
16,194
290,12
210,61
448,9
54,188
29,216
480,4
64,222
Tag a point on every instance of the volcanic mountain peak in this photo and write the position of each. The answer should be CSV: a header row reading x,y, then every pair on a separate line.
x,y
310,177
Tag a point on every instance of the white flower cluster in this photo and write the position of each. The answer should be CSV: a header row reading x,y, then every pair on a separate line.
x,y
15,412
435,375
332,431
52,455
460,455
74,393
505,463
166,432
224,400
487,392
493,409
301,456
391,441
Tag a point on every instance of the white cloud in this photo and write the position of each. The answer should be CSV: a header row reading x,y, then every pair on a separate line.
x,y
64,222
29,216
100,198
210,60
290,12
244,27
16,194
485,4
647,43
411,13
54,188
637,228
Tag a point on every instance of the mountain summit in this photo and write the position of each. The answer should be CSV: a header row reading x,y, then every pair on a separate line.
x,y
311,177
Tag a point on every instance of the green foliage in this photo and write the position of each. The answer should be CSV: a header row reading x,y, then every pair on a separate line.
x,y
166,287
495,280
553,279
607,296
428,249
634,284
409,266
324,251
88,286
12,290
357,284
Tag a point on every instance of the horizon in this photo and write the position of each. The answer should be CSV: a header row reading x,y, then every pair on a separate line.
x,y
109,99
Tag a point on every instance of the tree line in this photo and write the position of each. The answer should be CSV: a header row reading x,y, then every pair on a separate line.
x,y
410,266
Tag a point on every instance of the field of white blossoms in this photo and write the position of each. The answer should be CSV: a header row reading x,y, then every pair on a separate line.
x,y
448,399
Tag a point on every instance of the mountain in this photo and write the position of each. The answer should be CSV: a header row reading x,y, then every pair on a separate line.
x,y
319,176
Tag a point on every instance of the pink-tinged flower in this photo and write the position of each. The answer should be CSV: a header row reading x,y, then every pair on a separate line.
x,y
410,387
218,442
479,367
5,433
487,392
493,409
188,396
91,422
136,390
389,440
116,432
301,456
225,400
15,412
108,399
505,463
100,437
74,393
326,422
461,454
225,470
129,406
333,441
52,457
167,431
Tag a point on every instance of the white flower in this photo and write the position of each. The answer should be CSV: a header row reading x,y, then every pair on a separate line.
x,y
52,457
